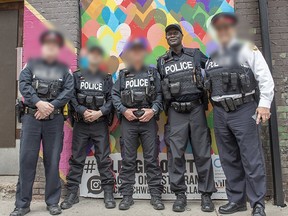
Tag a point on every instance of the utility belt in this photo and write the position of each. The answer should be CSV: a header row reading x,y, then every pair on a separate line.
x,y
230,104
79,118
32,111
186,107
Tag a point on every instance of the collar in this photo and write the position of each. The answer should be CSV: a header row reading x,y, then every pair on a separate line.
x,y
172,53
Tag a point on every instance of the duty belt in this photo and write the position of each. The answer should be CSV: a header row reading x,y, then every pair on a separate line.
x,y
185,107
32,111
230,104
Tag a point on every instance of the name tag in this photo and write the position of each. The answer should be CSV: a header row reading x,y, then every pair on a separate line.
x,y
91,86
179,67
136,83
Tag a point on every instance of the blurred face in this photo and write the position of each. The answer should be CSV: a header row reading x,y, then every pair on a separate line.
x,y
94,58
174,37
136,55
225,33
50,50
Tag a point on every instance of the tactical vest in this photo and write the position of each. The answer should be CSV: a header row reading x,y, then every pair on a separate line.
x,y
181,77
91,90
137,90
47,80
229,77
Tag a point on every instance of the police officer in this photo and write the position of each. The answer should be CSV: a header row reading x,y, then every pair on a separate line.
x,y
236,72
46,86
92,104
137,98
182,87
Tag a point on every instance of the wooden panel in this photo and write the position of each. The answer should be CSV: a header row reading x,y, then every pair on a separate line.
x,y
8,62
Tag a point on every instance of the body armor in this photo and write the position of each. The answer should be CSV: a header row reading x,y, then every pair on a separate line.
x,y
47,81
225,76
137,90
91,90
181,76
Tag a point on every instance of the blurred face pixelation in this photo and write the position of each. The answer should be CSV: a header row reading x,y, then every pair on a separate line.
x,y
174,37
94,57
50,50
136,55
225,33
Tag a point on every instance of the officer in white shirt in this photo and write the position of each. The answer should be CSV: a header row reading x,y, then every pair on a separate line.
x,y
241,88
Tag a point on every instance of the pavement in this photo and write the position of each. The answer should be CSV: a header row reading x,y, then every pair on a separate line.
x,y
93,207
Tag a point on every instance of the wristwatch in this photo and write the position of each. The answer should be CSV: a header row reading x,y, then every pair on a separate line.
x,y
155,111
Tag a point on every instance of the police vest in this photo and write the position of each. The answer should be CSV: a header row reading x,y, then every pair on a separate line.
x,y
137,90
182,74
227,77
91,90
48,80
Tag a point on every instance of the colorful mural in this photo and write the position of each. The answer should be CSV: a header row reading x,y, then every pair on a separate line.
x,y
112,22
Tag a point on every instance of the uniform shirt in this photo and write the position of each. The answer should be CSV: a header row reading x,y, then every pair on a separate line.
x,y
116,92
252,58
30,94
107,107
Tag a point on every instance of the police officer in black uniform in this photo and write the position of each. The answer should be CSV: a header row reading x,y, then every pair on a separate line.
x,y
46,86
137,98
92,104
182,87
242,89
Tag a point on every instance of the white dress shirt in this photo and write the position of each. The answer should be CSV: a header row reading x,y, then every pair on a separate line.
x,y
251,57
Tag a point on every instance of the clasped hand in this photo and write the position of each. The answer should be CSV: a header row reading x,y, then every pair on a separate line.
x,y
146,117
44,109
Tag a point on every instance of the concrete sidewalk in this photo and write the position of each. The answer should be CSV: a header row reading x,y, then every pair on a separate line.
x,y
92,207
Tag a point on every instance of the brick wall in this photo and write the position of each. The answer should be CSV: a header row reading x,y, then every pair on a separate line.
x,y
64,15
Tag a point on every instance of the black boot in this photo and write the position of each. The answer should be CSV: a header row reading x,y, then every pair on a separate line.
x,y
70,200
109,200
54,209
180,203
157,203
258,210
126,202
206,203
20,211
231,208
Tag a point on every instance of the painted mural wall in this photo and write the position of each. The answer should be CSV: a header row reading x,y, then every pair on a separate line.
x,y
111,23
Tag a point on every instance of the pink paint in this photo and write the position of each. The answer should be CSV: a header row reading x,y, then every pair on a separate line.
x,y
33,27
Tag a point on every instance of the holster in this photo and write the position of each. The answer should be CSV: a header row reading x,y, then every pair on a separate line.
x,y
19,107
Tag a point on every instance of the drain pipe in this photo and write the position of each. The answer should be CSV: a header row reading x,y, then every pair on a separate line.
x,y
273,125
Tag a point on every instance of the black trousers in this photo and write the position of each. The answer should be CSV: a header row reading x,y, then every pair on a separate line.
x,y
51,134
98,133
130,134
182,128
241,153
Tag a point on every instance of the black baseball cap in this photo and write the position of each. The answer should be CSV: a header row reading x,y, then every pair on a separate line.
x,y
52,36
173,26
225,18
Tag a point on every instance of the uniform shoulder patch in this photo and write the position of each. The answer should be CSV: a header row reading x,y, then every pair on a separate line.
x,y
252,46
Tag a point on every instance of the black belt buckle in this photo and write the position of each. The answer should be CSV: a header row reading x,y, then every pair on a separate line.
x,y
230,104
